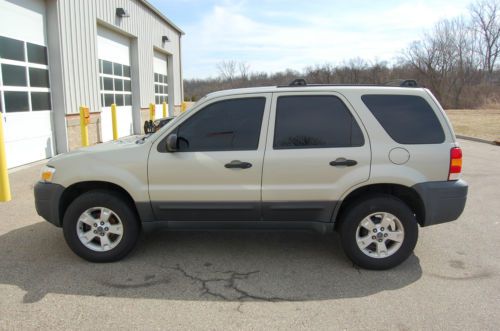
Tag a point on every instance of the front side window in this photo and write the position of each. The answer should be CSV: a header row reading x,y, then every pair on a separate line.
x,y
229,125
408,119
314,121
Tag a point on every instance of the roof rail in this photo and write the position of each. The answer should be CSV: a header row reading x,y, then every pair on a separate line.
x,y
402,83
398,83
298,82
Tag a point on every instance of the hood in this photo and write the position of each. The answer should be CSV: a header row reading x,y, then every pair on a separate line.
x,y
107,149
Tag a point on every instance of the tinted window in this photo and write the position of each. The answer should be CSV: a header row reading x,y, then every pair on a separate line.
x,y
14,75
107,67
223,126
40,100
108,100
127,85
39,77
119,99
407,119
128,100
118,85
117,69
314,122
108,83
16,101
37,54
126,71
11,49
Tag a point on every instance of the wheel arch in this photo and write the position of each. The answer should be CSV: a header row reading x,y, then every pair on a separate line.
x,y
77,189
406,194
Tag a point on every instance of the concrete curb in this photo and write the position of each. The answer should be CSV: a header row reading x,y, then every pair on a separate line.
x,y
479,140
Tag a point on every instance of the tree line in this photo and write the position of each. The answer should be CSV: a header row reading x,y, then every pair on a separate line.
x,y
457,59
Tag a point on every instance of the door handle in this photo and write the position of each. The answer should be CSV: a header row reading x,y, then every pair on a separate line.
x,y
343,162
238,164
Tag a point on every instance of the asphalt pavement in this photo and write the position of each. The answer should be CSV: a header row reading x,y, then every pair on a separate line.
x,y
255,280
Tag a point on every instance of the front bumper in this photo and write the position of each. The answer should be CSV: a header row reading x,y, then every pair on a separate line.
x,y
443,201
47,198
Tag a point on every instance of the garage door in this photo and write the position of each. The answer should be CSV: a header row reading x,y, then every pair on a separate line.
x,y
114,76
25,99
161,84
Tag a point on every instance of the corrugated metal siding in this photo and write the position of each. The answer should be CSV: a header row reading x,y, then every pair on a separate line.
x,y
78,41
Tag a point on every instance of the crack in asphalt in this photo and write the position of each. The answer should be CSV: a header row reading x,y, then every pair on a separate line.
x,y
230,283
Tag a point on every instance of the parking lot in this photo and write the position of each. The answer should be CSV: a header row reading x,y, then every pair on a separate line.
x,y
255,280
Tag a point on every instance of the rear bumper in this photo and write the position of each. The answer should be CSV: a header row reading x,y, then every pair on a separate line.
x,y
47,196
443,201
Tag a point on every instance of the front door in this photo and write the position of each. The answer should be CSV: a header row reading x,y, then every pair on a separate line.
x,y
216,173
317,151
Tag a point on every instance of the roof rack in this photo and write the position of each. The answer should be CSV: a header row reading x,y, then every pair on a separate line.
x,y
398,83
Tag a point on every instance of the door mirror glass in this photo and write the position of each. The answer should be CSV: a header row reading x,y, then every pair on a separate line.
x,y
172,143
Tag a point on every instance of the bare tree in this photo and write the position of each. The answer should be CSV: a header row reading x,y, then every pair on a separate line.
x,y
227,70
244,70
486,21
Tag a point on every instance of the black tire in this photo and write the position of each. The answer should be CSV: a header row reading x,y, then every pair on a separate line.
x,y
116,203
365,207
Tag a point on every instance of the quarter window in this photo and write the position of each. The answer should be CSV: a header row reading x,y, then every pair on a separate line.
x,y
319,121
227,125
408,119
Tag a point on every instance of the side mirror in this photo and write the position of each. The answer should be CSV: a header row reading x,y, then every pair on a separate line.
x,y
172,143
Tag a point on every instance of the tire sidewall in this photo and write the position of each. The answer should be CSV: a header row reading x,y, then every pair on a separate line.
x,y
365,207
108,200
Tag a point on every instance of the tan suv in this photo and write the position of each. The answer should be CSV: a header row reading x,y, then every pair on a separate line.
x,y
371,162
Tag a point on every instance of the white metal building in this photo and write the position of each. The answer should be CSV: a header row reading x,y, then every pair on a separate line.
x,y
56,55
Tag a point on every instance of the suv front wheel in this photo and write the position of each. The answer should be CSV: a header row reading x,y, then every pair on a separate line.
x,y
100,227
378,232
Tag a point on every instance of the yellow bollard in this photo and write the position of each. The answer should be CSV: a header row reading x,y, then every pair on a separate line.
x,y
113,121
152,111
183,106
84,121
164,109
4,175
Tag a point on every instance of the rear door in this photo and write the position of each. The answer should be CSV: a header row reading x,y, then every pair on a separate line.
x,y
316,150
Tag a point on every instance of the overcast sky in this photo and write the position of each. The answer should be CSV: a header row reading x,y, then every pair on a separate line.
x,y
273,35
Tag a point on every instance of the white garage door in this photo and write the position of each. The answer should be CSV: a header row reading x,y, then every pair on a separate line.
x,y
161,84
25,99
113,51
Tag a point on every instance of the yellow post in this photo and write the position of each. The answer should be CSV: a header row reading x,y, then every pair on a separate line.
x,y
113,121
183,106
164,109
152,111
84,121
4,175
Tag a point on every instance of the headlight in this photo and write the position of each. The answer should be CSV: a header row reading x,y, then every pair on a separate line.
x,y
47,174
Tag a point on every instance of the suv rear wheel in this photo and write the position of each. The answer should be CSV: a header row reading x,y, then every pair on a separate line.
x,y
378,232
100,227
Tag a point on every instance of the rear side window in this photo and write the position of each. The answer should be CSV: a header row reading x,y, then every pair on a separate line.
x,y
314,121
408,119
229,125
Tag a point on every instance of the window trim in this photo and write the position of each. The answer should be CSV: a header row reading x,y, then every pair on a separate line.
x,y
347,105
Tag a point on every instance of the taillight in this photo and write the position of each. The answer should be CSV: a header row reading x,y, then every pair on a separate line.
x,y
455,163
